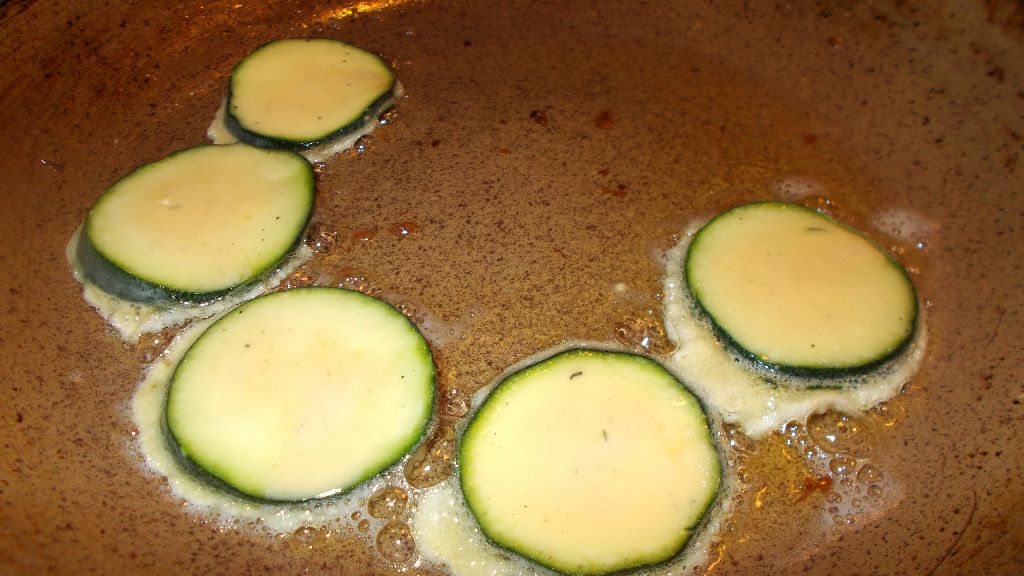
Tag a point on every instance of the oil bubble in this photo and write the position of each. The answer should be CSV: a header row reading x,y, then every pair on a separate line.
x,y
395,542
455,404
837,433
737,440
869,474
363,526
388,116
842,465
888,413
363,144
308,537
432,462
360,284
363,235
796,188
387,503
410,312
743,476
321,238
795,436
645,334
403,229
152,346
299,278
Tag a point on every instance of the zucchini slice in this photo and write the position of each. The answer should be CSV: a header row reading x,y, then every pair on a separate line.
x,y
296,94
302,394
590,462
794,289
197,223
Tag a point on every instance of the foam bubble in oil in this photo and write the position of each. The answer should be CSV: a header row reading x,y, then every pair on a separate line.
x,y
906,226
388,503
644,334
797,188
836,448
434,460
395,541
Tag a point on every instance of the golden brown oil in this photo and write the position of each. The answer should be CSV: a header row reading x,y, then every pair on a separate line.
x,y
519,197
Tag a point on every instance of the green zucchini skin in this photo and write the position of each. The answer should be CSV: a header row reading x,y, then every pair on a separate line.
x,y
118,280
495,397
123,284
239,130
207,472
816,375
373,111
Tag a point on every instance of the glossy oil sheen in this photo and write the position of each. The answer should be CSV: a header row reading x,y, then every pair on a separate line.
x,y
542,157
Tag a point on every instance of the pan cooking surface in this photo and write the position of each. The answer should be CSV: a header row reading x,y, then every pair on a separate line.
x,y
521,196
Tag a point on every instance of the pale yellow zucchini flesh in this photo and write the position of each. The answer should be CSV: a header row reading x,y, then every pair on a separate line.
x,y
590,462
795,289
301,92
198,222
302,394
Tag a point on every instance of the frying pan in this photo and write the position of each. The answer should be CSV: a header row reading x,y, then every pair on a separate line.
x,y
544,157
